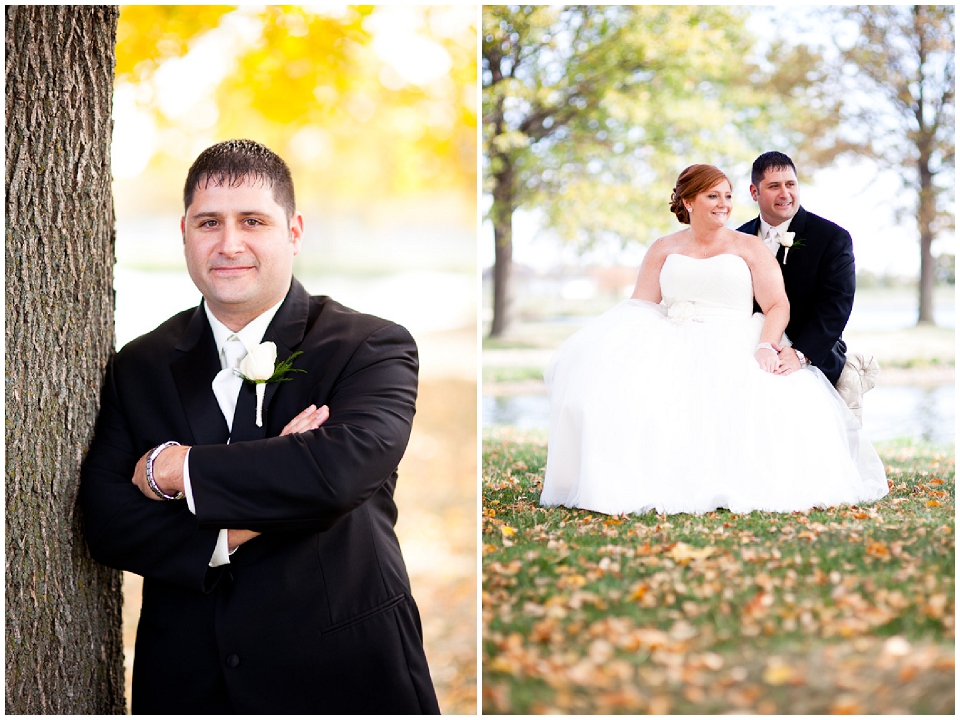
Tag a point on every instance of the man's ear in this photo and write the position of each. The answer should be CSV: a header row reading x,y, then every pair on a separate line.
x,y
296,232
753,192
183,232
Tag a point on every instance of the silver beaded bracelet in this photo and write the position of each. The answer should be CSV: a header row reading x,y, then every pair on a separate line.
x,y
766,346
153,483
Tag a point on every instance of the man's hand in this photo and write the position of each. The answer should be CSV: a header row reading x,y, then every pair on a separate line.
x,y
310,419
236,538
167,471
168,467
789,362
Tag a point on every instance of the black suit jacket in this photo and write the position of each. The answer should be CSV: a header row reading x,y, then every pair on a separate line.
x,y
314,615
820,280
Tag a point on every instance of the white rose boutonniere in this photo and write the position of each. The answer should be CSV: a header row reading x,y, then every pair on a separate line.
x,y
683,311
260,367
787,240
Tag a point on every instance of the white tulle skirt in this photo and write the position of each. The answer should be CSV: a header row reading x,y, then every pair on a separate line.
x,y
648,413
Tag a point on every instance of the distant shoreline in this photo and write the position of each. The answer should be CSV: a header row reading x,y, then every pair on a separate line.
x,y
929,376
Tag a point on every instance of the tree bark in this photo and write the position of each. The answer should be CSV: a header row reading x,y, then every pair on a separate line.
x,y
502,214
63,626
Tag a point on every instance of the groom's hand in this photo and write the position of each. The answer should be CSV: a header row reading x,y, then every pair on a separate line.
x,y
310,419
167,471
789,362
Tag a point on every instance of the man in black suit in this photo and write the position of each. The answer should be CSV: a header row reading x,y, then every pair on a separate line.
x,y
816,258
273,579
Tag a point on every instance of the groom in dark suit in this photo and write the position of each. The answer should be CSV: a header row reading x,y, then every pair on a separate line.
x,y
816,258
273,580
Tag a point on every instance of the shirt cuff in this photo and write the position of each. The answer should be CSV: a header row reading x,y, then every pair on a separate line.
x,y
187,489
221,554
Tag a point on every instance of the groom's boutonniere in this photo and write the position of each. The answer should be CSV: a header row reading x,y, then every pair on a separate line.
x,y
260,367
788,242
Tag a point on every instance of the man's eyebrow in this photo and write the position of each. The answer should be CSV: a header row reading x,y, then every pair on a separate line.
x,y
218,214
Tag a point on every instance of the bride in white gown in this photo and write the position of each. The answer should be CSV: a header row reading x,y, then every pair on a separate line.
x,y
675,400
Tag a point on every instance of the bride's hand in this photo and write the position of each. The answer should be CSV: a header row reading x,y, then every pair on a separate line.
x,y
767,359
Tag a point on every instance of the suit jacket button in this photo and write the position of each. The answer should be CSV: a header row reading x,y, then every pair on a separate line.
x,y
233,661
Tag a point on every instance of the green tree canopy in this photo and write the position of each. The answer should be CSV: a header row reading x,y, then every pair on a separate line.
x,y
590,113
887,73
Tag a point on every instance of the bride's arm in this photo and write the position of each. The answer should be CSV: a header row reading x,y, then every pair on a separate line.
x,y
648,281
772,299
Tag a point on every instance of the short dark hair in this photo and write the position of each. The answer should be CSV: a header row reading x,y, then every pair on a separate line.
x,y
234,162
769,161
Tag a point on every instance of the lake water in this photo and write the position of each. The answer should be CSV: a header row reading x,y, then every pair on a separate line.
x,y
902,411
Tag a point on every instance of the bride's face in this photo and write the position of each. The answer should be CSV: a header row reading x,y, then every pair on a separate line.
x,y
714,205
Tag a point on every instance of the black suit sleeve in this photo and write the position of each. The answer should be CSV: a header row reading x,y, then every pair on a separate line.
x,y
124,529
832,301
309,480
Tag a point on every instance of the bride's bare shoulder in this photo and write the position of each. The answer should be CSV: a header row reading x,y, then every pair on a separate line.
x,y
667,244
738,236
746,244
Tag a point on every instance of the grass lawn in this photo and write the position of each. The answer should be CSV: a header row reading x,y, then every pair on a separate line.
x,y
845,610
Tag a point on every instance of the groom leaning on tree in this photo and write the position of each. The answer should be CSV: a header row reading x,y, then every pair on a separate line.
x,y
260,514
816,259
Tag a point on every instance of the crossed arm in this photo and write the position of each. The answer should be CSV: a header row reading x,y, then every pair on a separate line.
x,y
304,481
168,467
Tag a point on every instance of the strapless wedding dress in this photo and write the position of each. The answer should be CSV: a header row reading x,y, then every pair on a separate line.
x,y
664,407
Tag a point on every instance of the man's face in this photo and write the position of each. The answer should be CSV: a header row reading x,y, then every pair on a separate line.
x,y
239,248
778,195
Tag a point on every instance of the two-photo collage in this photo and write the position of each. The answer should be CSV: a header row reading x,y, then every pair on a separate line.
x,y
480,359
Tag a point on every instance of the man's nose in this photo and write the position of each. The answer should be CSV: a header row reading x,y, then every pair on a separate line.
x,y
231,240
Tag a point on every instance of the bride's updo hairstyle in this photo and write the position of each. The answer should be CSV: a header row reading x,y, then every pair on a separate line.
x,y
693,181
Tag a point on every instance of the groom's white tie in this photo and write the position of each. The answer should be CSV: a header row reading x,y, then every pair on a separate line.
x,y
226,384
772,240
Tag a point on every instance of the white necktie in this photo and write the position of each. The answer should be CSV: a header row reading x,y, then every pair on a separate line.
x,y
772,240
226,384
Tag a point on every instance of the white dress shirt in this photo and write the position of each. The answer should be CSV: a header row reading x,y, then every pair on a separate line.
x,y
249,335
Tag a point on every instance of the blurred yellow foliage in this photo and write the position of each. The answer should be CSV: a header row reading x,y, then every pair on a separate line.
x,y
362,101
149,34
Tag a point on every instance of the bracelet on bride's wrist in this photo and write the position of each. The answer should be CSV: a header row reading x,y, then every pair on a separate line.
x,y
150,479
766,346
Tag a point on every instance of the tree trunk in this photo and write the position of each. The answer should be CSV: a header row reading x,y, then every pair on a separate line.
x,y
502,214
925,216
63,631
926,196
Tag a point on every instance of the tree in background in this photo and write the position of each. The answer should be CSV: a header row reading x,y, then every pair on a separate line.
x,y
898,83
589,114
63,650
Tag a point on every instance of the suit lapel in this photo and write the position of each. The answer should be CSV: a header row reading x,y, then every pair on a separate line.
x,y
796,227
286,330
799,222
193,372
